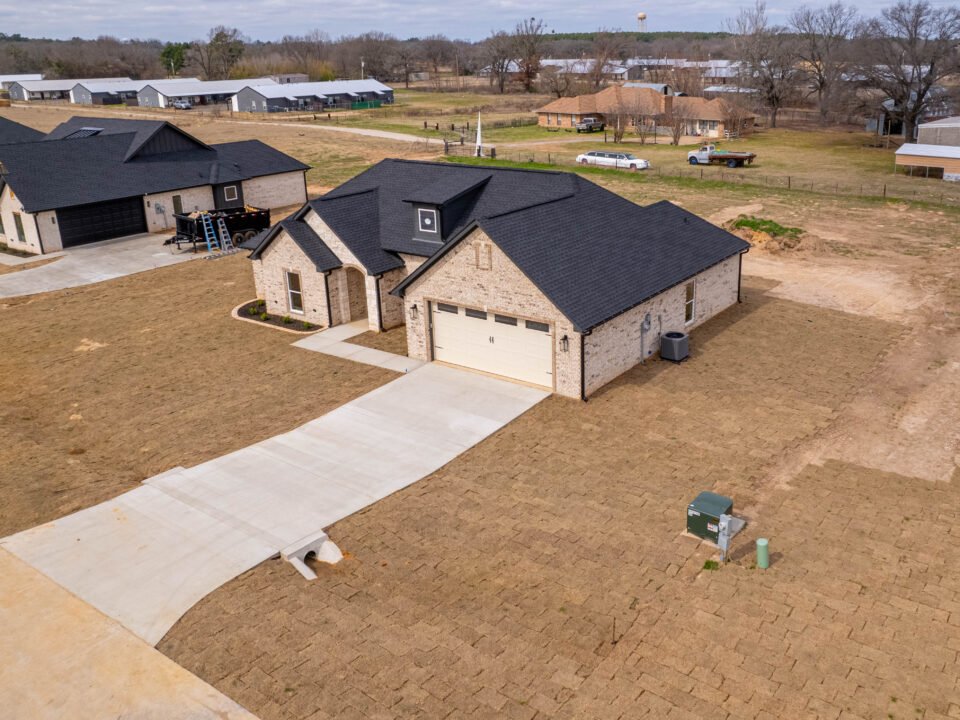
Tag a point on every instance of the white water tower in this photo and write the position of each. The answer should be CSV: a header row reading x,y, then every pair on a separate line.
x,y
642,21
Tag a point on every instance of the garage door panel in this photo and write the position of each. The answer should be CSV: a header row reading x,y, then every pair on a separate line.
x,y
500,348
101,221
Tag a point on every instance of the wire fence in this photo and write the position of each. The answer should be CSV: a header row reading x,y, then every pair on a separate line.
x,y
747,176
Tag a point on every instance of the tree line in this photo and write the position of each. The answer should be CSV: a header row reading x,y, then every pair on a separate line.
x,y
908,53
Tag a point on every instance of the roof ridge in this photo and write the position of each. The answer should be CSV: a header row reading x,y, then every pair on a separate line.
x,y
559,198
488,168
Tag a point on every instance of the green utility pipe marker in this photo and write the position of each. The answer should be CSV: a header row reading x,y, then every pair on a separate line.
x,y
763,553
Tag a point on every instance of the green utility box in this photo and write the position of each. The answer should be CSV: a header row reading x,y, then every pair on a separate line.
x,y
703,515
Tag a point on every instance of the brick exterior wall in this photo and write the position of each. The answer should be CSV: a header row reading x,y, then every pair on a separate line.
x,y
504,288
281,256
614,347
274,191
195,198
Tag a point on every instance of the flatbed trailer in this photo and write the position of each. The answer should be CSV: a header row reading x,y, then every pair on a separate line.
x,y
708,154
242,224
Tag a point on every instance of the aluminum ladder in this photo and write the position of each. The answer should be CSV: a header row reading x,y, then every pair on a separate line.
x,y
208,233
225,242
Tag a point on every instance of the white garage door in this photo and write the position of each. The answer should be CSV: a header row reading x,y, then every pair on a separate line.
x,y
498,344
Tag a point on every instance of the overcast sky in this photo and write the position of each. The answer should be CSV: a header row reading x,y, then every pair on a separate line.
x,y
272,19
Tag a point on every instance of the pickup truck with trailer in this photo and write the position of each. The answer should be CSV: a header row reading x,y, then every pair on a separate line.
x,y
708,154
589,124
242,224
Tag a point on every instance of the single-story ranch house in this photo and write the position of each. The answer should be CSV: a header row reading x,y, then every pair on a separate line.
x,y
94,179
88,92
32,90
700,117
310,95
541,277
198,92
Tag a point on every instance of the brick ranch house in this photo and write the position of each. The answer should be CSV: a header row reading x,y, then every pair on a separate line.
x,y
700,117
541,277
94,179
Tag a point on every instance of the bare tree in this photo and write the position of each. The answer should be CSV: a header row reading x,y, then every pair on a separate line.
x,y
218,55
406,57
607,47
907,51
557,80
499,51
769,56
437,51
676,119
824,35
528,38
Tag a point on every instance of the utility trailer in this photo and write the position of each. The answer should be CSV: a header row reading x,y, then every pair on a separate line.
x,y
241,223
708,154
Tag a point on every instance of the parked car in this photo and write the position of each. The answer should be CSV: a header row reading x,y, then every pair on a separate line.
x,y
182,105
589,124
613,159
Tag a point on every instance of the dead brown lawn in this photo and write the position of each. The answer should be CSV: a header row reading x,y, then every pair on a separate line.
x,y
106,385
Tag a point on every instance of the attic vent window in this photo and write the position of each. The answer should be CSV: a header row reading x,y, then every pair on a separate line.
x,y
427,219
84,132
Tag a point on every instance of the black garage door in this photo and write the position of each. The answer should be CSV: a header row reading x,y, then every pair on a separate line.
x,y
101,221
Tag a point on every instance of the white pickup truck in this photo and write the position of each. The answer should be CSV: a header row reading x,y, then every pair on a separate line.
x,y
708,154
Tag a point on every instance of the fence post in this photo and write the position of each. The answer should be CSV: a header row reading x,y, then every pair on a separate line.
x,y
701,173
789,182
884,190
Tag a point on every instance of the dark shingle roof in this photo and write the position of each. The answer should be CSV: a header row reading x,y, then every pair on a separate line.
x,y
356,221
61,173
13,132
596,254
79,127
396,181
592,253
311,244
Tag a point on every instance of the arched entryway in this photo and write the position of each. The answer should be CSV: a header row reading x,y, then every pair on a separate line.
x,y
354,305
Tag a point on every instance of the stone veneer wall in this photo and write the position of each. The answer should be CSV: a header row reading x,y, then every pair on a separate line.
x,y
274,191
282,255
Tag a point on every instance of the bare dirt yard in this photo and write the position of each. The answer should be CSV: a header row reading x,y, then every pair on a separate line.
x,y
106,385
544,574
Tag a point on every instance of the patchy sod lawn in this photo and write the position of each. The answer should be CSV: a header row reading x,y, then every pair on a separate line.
x,y
106,385
497,586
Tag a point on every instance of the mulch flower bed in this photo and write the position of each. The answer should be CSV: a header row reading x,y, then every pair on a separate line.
x,y
257,310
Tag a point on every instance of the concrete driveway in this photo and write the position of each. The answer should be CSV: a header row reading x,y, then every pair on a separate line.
x,y
149,555
94,263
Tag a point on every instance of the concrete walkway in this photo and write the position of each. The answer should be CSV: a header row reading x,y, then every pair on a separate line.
x,y
147,556
331,342
93,263
63,659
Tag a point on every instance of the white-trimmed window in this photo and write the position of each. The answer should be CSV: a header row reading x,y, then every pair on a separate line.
x,y
230,193
294,292
427,220
690,302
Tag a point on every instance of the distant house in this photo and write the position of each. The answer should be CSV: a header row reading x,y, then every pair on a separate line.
x,y
87,92
94,179
7,80
310,96
702,117
568,111
40,90
940,132
13,132
290,78
198,92
583,69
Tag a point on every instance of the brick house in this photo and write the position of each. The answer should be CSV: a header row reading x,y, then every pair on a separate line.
x,y
541,277
93,179
700,117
